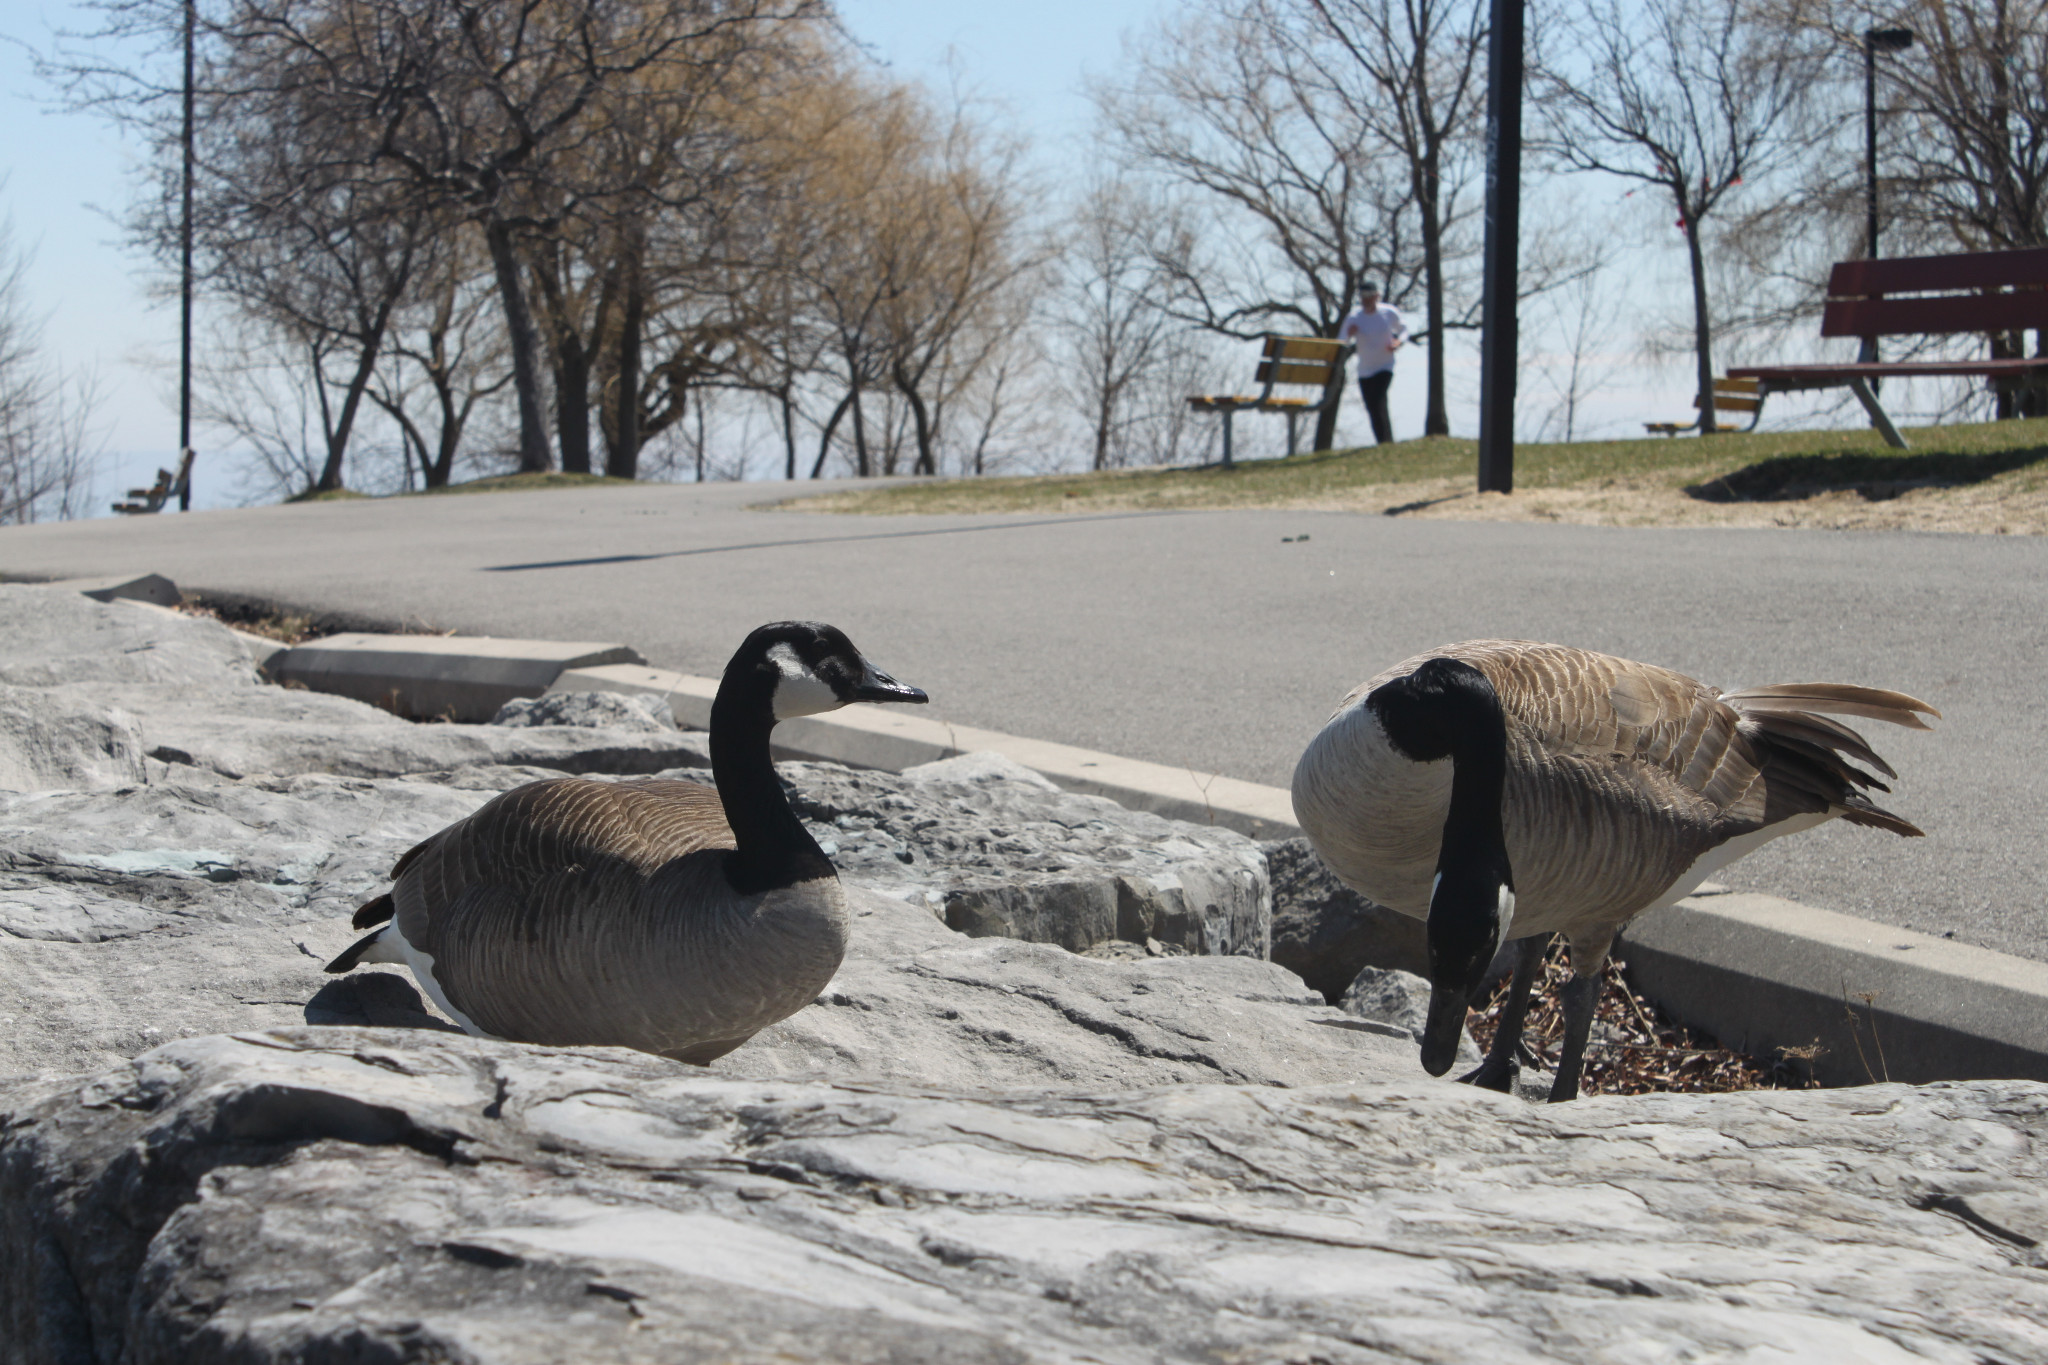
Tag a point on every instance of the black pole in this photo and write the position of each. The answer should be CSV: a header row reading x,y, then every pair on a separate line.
x,y
185,308
1890,40
1503,225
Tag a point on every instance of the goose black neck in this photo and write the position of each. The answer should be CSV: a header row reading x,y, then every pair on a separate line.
x,y
1448,709
772,848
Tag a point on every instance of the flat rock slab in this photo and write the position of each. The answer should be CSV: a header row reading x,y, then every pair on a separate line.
x,y
51,635
339,1194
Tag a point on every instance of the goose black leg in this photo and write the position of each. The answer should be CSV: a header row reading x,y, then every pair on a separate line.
x,y
1579,997
1502,1062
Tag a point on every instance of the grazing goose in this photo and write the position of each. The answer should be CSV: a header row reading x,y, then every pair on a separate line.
x,y
1580,790
651,914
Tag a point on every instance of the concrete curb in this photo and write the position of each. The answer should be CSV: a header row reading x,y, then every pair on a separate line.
x,y
897,737
1761,973
438,676
1758,972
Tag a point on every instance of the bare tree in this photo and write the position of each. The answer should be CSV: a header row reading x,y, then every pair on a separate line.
x,y
1579,359
1292,197
1689,96
1111,322
47,454
1422,92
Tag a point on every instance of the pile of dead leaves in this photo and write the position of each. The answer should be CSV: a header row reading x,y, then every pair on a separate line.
x,y
1635,1049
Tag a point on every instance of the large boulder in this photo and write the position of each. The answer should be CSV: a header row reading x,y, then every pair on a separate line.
x,y
374,1195
998,850
56,635
49,741
1325,932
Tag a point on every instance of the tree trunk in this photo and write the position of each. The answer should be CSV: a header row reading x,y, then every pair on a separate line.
x,y
860,433
926,464
625,451
519,332
1702,331
337,439
825,441
1326,421
788,400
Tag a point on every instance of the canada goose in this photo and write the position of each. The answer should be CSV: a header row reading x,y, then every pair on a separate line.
x,y
1581,790
658,915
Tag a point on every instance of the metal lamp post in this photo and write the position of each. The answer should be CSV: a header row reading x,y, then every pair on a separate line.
x,y
1874,41
185,281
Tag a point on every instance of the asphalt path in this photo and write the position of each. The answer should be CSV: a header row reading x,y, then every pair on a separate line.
x,y
1212,640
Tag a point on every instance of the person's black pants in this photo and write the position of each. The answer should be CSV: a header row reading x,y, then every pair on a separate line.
x,y
1373,388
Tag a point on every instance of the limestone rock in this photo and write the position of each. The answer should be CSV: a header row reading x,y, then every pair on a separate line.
x,y
280,731
198,904
49,742
1325,932
600,710
996,849
55,635
372,1195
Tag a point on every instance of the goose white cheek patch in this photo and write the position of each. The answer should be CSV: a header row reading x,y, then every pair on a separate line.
x,y
801,692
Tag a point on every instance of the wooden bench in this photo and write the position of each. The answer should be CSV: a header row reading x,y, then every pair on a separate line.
x,y
167,486
1976,293
1308,362
1730,395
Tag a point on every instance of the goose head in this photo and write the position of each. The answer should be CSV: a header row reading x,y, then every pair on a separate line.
x,y
1447,709
805,668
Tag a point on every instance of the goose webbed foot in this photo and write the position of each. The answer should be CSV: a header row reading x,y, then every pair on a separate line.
x,y
1494,1073
1579,997
1503,1059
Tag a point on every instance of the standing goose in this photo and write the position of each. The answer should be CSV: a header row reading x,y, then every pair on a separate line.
x,y
658,915
1580,791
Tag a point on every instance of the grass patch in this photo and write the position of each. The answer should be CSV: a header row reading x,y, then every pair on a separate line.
x,y
513,483
496,483
2001,466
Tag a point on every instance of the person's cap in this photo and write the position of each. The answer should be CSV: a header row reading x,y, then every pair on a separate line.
x,y
1368,287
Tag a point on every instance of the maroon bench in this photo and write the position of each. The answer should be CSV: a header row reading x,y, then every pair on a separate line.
x,y
1982,292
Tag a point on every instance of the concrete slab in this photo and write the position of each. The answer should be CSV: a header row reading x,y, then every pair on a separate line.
x,y
152,588
897,737
436,676
1885,1004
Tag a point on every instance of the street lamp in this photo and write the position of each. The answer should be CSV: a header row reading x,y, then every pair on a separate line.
x,y
1875,40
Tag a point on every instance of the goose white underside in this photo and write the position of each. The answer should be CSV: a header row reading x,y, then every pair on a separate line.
x,y
1719,856
391,946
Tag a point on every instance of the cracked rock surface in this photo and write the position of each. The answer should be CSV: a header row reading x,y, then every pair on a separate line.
x,y
372,1195
997,850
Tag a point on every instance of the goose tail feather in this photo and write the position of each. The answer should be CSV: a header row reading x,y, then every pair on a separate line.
x,y
1841,699
376,911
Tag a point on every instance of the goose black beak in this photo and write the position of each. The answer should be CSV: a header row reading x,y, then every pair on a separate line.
x,y
1442,1030
875,685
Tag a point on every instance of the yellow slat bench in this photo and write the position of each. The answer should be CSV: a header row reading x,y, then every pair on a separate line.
x,y
1730,395
167,486
1310,362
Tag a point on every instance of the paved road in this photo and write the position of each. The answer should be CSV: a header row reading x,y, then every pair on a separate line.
x,y
1205,639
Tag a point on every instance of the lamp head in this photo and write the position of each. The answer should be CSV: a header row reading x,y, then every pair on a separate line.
x,y
1888,39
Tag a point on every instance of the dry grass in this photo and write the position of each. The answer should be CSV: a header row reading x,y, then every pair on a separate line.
x,y
1989,477
1635,1048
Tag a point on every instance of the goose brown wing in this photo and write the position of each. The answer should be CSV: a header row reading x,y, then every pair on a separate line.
x,y
534,845
1757,756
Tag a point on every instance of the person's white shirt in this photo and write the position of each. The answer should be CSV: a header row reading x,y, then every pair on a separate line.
x,y
1378,334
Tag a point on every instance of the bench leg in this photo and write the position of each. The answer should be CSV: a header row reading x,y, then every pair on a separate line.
x,y
1291,417
1227,415
1878,419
